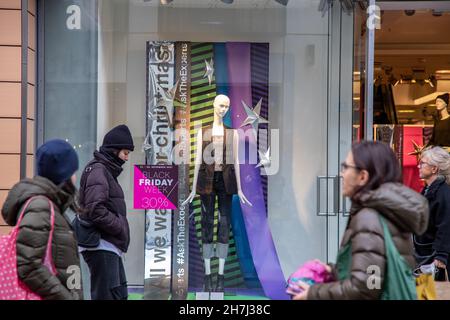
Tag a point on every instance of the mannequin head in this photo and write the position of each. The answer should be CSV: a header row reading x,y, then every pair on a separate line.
x,y
221,105
442,102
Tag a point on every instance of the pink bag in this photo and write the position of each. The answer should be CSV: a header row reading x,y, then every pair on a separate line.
x,y
11,288
311,272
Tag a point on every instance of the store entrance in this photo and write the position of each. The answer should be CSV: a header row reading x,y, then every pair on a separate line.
x,y
411,68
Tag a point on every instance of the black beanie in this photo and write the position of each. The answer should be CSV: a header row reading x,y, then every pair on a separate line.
x,y
443,97
119,138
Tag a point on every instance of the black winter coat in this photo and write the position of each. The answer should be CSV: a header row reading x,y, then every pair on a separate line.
x,y
435,242
103,199
33,237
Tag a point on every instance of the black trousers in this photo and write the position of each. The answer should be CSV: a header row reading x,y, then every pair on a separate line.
x,y
208,204
108,280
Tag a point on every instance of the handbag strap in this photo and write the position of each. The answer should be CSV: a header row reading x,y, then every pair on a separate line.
x,y
52,221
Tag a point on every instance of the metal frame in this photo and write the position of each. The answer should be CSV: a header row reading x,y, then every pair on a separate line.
x,y
40,52
368,99
24,89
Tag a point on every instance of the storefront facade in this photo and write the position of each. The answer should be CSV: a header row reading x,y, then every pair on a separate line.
x,y
304,60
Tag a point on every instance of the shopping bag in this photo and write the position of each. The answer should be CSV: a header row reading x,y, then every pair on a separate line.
x,y
443,288
425,287
11,288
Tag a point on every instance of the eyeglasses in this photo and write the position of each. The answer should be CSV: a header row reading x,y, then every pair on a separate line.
x,y
345,166
422,163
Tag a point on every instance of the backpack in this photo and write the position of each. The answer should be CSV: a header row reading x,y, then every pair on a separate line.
x,y
11,288
85,231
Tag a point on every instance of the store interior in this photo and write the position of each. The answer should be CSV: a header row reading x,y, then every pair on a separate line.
x,y
412,64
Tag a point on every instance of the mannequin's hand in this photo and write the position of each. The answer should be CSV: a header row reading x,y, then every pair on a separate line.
x,y
243,198
189,198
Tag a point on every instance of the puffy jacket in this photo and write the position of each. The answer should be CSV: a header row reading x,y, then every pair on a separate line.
x,y
405,211
33,237
103,199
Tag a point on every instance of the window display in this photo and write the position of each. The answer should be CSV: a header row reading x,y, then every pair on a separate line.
x,y
224,79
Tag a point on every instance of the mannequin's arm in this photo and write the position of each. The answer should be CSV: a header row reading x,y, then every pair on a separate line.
x,y
237,170
198,161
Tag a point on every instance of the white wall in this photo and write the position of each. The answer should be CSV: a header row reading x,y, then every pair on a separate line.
x,y
298,96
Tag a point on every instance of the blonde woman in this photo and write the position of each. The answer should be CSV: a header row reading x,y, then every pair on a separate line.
x,y
434,244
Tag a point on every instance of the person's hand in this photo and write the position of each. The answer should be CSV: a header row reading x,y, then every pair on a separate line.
x,y
243,198
304,294
326,266
189,198
439,264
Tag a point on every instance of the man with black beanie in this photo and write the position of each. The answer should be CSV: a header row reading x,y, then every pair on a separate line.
x,y
103,201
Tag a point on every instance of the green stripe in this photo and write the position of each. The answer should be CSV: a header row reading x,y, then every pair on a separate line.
x,y
206,104
203,57
199,90
202,48
204,81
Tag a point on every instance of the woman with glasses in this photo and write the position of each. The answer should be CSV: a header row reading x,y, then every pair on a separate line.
x,y
434,244
383,212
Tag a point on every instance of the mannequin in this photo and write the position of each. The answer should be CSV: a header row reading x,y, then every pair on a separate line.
x,y
216,174
441,131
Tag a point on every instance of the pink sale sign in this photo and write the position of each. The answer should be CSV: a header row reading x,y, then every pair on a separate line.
x,y
155,187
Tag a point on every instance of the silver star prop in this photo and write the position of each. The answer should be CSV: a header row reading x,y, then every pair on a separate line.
x,y
167,99
209,70
147,145
264,159
169,94
151,115
253,117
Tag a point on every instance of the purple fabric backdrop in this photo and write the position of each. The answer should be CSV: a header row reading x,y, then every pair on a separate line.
x,y
260,238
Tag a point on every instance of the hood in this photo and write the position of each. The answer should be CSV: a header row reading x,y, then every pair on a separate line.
x,y
27,188
401,205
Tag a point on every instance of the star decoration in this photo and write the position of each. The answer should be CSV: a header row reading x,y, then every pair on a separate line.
x,y
264,159
147,145
169,94
167,100
209,70
151,115
417,150
253,117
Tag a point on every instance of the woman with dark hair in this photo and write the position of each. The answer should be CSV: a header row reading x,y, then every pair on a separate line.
x,y
382,210
56,164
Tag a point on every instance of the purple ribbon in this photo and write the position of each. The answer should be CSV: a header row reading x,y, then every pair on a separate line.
x,y
260,239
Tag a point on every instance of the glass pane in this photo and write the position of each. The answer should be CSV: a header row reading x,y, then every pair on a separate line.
x,y
116,62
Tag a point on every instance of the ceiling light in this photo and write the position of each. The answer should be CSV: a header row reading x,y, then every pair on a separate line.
x,y
283,2
437,13
410,13
442,71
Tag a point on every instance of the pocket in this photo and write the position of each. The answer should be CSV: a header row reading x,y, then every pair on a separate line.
x,y
86,233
